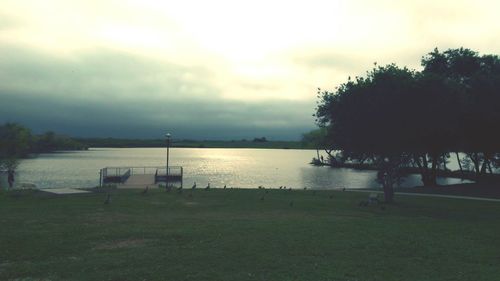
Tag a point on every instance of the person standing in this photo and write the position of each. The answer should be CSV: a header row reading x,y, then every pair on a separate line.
x,y
10,177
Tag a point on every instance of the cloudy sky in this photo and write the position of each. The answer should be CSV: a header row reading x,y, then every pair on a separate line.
x,y
210,69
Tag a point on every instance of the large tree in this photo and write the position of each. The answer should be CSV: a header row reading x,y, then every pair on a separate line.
x,y
402,117
369,116
398,116
477,79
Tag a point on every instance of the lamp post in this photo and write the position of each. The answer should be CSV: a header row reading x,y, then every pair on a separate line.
x,y
168,151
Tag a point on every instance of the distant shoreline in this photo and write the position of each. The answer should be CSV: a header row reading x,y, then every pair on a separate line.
x,y
137,143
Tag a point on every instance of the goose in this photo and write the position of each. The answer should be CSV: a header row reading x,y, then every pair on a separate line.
x,y
207,187
194,186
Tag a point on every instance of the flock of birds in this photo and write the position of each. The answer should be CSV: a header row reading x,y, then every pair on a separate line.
x,y
180,189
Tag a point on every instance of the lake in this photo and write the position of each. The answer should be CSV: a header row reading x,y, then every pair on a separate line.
x,y
243,168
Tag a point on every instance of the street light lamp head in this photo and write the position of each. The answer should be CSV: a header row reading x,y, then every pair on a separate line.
x,y
167,135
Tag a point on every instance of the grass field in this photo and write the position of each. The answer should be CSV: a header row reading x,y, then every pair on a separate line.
x,y
234,235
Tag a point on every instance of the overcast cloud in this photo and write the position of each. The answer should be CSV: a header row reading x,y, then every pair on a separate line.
x,y
210,69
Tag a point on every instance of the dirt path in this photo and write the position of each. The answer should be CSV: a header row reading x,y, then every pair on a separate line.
x,y
429,195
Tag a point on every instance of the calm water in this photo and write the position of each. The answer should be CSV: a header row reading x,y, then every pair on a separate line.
x,y
244,168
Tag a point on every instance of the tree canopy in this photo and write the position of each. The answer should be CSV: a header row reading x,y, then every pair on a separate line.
x,y
398,113
17,141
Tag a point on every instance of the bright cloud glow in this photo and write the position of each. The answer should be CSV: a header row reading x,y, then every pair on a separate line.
x,y
258,52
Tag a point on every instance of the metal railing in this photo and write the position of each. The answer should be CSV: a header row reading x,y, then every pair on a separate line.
x,y
172,171
121,174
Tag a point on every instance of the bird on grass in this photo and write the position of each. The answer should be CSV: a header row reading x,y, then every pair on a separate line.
x,y
224,186
145,190
343,189
108,199
260,187
289,189
305,188
281,187
207,187
194,186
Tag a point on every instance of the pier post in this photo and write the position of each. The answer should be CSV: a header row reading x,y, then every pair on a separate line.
x,y
100,178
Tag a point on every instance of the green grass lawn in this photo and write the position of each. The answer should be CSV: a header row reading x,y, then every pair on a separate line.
x,y
234,235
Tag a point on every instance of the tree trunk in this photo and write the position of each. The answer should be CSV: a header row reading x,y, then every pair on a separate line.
x,y
444,161
486,163
388,188
489,167
433,173
475,159
416,161
428,180
428,177
460,165
424,161
362,160
331,158
388,193
422,168
483,167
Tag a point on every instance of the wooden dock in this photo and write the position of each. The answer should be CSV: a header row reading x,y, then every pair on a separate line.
x,y
140,180
141,176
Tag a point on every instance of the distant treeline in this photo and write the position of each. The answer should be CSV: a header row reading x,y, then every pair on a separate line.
x,y
18,141
255,143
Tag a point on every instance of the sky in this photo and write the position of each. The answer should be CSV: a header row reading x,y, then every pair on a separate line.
x,y
210,69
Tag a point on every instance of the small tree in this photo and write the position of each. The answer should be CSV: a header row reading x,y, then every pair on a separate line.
x,y
15,142
389,173
317,139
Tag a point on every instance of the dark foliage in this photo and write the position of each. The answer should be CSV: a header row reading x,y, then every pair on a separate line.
x,y
419,116
17,142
